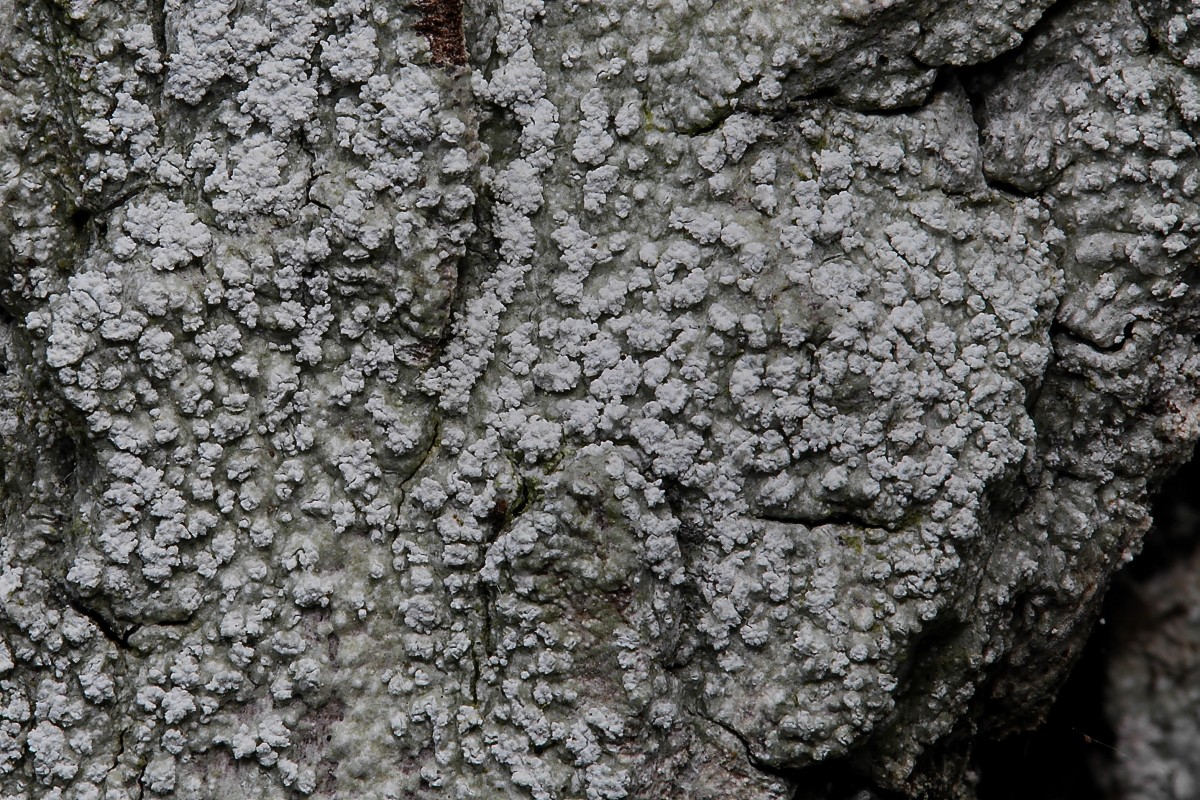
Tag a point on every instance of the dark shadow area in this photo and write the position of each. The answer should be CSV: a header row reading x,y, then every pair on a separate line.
x,y
1058,760
1176,529
835,780
1064,758
80,218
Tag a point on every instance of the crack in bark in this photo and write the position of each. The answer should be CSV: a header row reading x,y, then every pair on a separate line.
x,y
835,779
501,518
114,630
158,13
434,444
107,627
85,214
1061,329
843,517
786,774
141,787
116,756
976,99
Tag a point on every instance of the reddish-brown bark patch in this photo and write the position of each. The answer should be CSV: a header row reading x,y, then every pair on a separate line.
x,y
442,25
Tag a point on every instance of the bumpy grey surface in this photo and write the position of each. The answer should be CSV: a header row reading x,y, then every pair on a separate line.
x,y
575,399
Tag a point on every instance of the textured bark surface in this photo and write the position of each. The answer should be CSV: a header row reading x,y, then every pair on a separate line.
x,y
575,399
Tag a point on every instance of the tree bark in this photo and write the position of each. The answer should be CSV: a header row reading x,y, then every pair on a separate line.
x,y
629,399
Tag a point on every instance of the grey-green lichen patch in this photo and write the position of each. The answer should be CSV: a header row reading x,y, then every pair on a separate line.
x,y
606,419
754,339
696,61
266,266
1117,408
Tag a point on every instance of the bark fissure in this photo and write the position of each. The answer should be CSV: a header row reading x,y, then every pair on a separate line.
x,y
112,630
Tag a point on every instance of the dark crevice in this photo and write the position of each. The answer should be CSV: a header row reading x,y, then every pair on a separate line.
x,y
67,139
480,247
158,10
929,647
783,773
81,217
499,519
904,110
1059,329
835,779
502,515
483,648
1005,59
976,80
111,629
825,95
85,219
85,215
712,126
1176,531
1154,45
1004,187
487,595
476,670
116,762
1058,759
969,75
829,97
1070,755
58,29
121,198
836,517
968,79
140,783
434,444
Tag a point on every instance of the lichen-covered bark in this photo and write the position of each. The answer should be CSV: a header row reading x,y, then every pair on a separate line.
x,y
554,400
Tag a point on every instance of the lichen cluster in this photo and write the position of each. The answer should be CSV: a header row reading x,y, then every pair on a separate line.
x,y
606,400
